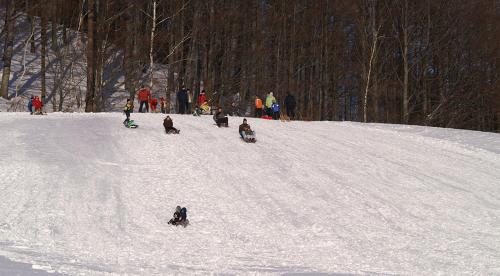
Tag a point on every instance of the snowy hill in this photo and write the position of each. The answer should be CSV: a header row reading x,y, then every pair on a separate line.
x,y
83,194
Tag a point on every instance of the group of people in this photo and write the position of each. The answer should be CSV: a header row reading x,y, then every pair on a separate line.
x,y
147,102
271,109
185,102
35,105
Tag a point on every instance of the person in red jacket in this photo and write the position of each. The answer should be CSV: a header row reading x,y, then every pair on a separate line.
x,y
143,97
154,104
202,98
37,104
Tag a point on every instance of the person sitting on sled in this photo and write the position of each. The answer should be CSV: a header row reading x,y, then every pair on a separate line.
x,y
197,111
128,108
180,217
246,132
220,118
169,126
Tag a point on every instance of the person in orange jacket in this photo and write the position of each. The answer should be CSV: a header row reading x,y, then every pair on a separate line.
x,y
143,97
258,107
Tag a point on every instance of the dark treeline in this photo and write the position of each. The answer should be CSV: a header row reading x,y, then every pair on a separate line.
x,y
429,62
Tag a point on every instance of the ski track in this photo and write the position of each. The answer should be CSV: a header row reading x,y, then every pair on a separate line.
x,y
308,197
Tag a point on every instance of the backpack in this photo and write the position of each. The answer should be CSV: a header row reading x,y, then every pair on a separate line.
x,y
276,107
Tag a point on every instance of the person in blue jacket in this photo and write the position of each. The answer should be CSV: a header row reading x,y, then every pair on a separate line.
x,y
30,105
276,111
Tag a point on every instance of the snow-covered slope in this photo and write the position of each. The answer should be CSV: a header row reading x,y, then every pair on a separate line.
x,y
82,194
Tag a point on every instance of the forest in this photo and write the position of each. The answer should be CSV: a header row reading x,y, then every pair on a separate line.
x,y
429,62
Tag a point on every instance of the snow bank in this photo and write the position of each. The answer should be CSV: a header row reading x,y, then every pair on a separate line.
x,y
83,194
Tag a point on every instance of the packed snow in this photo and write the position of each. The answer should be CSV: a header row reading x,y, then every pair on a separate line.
x,y
83,195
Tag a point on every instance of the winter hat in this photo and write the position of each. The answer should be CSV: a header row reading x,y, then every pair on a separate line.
x,y
244,120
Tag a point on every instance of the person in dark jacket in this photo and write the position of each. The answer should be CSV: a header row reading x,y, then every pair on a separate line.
x,y
290,105
168,124
128,108
180,217
30,105
246,132
220,118
182,99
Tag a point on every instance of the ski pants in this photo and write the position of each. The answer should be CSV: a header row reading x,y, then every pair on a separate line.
x,y
258,112
145,103
290,112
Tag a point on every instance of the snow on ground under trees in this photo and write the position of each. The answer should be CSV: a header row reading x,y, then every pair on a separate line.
x,y
81,194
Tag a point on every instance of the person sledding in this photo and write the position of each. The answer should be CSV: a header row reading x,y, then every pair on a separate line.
x,y
197,111
169,126
128,108
180,217
220,118
246,133
205,108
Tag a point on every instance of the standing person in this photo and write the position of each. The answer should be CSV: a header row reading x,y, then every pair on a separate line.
x,y
276,111
236,104
168,124
182,99
153,104
189,101
202,98
30,105
128,108
162,105
270,100
258,107
143,97
290,105
37,104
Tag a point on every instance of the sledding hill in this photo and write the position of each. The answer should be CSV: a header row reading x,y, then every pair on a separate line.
x,y
83,194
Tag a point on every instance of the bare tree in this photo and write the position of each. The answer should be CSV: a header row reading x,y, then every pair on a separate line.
x,y
8,47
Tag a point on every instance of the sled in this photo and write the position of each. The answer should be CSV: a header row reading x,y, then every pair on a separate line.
x,y
249,140
130,124
171,131
250,137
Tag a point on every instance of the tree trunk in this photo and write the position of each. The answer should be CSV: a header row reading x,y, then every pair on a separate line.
x,y
90,95
43,49
8,47
406,115
151,46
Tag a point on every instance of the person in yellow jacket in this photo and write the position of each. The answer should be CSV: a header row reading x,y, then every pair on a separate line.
x,y
258,107
128,108
270,100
